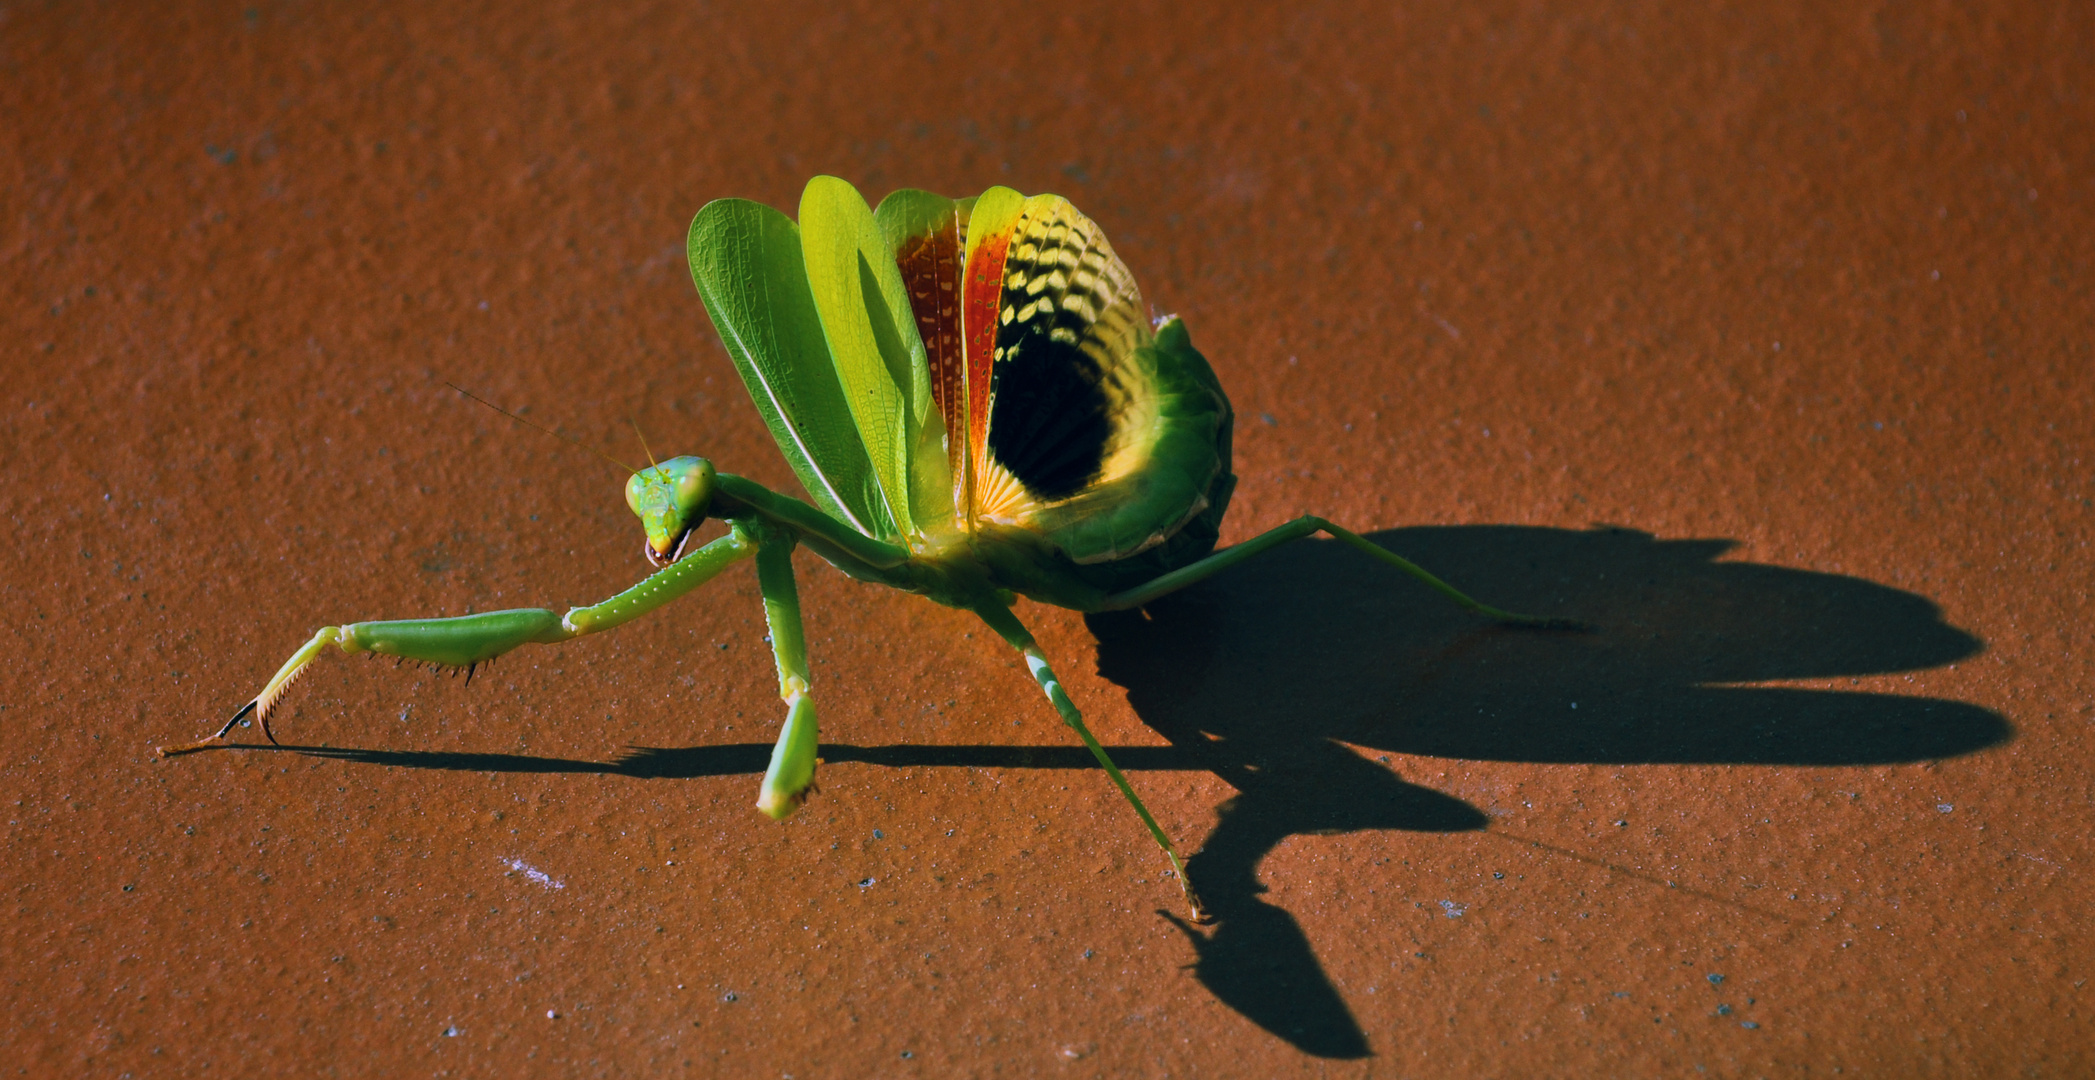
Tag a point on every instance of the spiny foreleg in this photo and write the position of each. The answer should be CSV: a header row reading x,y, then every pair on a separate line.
x,y
467,641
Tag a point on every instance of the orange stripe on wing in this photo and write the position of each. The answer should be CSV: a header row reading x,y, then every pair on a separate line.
x,y
982,297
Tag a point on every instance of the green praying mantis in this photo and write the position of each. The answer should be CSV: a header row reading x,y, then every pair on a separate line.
x,y
979,407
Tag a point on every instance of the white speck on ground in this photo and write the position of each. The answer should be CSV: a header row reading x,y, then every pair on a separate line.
x,y
534,873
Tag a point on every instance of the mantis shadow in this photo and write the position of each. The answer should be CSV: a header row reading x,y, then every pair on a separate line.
x,y
1264,673
1266,670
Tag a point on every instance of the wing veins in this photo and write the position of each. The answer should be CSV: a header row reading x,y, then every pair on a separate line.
x,y
792,421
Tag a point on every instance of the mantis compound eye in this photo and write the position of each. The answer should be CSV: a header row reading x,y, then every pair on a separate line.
x,y
692,483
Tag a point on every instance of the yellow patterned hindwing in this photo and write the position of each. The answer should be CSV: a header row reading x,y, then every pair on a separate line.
x,y
1068,407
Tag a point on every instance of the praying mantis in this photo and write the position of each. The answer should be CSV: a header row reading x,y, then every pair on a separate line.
x,y
979,407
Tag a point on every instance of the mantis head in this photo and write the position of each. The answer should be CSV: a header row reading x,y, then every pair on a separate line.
x,y
671,499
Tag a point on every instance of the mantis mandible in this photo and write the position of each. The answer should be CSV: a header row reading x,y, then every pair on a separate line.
x,y
978,405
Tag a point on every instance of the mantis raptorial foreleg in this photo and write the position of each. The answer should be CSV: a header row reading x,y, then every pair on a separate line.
x,y
1304,526
792,772
1010,629
470,640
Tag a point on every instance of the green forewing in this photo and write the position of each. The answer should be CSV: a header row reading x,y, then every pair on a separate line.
x,y
747,262
877,352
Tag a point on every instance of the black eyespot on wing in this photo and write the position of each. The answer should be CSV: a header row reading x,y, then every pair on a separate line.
x,y
1050,418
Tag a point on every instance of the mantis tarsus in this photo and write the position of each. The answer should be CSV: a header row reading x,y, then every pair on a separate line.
x,y
976,401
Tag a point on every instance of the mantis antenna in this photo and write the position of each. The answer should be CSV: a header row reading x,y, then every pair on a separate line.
x,y
623,467
651,462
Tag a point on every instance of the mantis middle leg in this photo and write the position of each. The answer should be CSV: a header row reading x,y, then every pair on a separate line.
x,y
1011,630
792,772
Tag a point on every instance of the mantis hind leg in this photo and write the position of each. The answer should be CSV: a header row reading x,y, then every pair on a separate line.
x,y
1305,526
792,772
1010,629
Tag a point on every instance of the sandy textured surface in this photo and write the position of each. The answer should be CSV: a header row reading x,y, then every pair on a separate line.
x,y
1759,335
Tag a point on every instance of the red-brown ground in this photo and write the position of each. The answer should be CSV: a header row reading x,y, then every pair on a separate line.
x,y
1759,335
